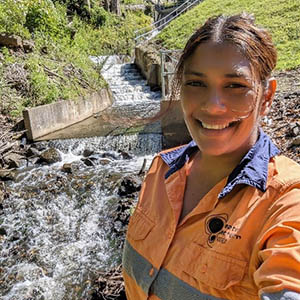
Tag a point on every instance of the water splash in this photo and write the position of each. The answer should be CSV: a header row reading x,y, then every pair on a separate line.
x,y
55,226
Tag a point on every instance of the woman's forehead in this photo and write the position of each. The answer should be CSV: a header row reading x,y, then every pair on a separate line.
x,y
221,58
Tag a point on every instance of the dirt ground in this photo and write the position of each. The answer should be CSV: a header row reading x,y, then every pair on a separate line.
x,y
283,121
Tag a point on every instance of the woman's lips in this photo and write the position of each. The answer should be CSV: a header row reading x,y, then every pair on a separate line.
x,y
215,129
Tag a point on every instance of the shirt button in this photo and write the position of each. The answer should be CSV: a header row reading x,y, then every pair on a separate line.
x,y
151,272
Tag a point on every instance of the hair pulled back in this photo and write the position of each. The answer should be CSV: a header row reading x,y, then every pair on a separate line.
x,y
239,30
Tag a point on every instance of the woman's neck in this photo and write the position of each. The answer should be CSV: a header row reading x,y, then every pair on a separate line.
x,y
214,167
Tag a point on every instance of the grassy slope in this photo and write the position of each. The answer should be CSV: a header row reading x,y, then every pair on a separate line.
x,y
59,68
281,17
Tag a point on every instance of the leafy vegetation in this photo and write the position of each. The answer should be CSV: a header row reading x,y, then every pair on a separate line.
x,y
281,17
65,33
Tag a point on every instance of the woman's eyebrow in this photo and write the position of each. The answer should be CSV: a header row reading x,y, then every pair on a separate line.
x,y
236,75
227,75
191,72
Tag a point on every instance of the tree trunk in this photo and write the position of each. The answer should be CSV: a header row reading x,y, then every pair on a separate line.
x,y
107,4
115,7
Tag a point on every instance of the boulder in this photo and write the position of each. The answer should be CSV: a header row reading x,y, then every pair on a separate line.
x,y
67,168
50,156
295,142
87,152
293,130
6,174
129,185
14,160
104,161
28,45
10,40
88,162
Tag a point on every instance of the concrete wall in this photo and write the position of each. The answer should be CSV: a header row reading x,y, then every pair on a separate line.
x,y
172,124
42,120
173,127
147,59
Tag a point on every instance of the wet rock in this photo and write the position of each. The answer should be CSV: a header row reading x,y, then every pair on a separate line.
x,y
67,168
109,155
95,156
124,154
14,238
88,162
104,161
32,152
129,185
2,231
87,152
50,156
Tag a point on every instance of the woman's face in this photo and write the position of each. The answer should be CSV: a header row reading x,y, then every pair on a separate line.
x,y
217,89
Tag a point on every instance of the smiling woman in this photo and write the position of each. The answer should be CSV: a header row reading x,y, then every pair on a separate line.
x,y
219,218
222,99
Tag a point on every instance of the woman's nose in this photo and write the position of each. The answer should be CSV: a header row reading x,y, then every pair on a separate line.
x,y
215,104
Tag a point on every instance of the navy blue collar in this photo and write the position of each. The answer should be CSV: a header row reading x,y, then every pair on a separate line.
x,y
252,169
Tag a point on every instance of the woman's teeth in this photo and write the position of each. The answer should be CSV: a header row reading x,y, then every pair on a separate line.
x,y
214,126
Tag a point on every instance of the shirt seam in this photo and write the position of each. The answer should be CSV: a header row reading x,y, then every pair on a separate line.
x,y
283,185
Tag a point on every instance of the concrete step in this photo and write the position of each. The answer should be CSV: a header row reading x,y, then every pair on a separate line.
x,y
118,81
136,97
125,77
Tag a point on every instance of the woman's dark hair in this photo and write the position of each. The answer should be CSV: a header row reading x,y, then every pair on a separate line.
x,y
239,30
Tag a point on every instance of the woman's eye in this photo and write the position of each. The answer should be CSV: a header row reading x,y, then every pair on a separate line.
x,y
196,83
235,86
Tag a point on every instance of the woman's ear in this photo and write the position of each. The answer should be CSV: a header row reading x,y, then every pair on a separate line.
x,y
268,96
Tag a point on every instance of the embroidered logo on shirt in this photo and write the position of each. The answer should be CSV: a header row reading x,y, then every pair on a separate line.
x,y
219,230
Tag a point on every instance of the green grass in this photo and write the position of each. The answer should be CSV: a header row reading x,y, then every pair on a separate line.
x,y
59,68
280,17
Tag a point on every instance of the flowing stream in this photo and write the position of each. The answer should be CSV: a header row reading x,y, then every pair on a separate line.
x,y
56,224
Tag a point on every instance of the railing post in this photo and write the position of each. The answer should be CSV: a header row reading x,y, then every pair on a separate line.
x,y
162,74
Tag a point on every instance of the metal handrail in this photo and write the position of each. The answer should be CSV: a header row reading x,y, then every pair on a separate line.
x,y
179,10
166,17
159,21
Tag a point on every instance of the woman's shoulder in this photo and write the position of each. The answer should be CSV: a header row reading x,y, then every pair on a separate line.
x,y
285,172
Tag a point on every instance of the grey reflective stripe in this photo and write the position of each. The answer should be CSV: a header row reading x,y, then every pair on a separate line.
x,y
165,286
138,268
169,287
283,295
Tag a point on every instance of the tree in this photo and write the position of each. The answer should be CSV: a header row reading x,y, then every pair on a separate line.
x,y
113,6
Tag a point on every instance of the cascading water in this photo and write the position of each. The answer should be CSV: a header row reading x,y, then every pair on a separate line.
x,y
55,224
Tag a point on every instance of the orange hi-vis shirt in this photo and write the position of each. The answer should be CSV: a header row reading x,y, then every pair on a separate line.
x,y
241,242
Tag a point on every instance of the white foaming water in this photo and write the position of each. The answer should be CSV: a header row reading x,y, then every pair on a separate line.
x,y
58,229
56,226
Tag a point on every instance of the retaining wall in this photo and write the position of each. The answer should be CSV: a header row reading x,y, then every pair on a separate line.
x,y
42,120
